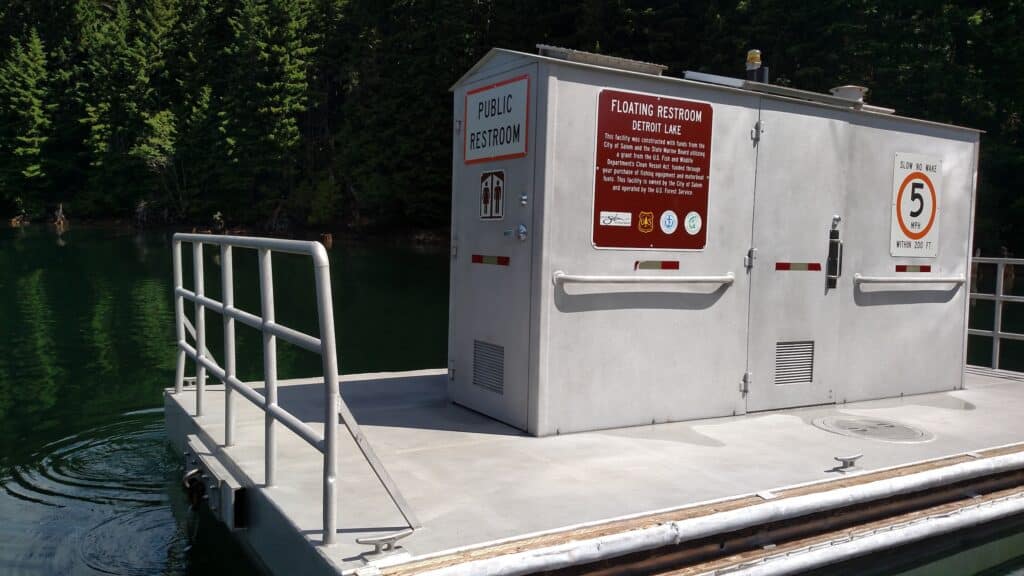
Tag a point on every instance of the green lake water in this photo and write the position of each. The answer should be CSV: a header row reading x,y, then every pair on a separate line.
x,y
88,483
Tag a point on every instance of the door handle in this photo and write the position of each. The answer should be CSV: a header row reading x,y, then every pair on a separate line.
x,y
834,263
861,279
560,277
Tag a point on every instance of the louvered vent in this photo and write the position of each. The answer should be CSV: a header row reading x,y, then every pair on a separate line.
x,y
794,362
489,366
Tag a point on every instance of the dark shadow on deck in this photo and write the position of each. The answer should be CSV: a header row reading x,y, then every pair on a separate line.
x,y
403,402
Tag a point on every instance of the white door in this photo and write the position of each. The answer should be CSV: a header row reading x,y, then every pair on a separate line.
x,y
492,262
794,315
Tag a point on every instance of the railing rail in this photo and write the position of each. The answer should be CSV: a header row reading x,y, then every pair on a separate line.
x,y
998,297
324,345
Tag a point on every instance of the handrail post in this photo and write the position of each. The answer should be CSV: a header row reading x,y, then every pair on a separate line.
x,y
179,317
997,322
329,360
269,363
335,410
228,300
197,264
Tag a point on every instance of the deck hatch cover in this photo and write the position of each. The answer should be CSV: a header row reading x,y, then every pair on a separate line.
x,y
794,362
489,366
873,429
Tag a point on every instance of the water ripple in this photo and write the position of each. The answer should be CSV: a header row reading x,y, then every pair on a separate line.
x,y
106,504
136,543
126,461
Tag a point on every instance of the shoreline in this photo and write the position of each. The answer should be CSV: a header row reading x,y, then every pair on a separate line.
x,y
419,236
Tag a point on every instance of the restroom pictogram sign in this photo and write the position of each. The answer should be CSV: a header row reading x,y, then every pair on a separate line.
x,y
492,195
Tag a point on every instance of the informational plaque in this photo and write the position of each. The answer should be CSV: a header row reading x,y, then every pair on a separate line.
x,y
653,164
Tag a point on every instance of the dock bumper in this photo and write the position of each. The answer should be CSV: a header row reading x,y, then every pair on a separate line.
x,y
801,528
209,484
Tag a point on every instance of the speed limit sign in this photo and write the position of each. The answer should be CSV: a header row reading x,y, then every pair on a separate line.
x,y
916,186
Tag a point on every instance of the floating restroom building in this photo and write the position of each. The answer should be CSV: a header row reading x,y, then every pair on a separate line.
x,y
631,248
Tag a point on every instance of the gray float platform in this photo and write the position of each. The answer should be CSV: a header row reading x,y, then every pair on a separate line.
x,y
472,480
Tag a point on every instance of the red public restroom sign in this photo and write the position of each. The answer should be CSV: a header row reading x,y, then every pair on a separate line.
x,y
652,168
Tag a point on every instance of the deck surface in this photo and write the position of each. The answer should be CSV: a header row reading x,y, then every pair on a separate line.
x,y
471,479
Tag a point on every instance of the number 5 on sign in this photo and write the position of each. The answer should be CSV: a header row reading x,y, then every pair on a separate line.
x,y
916,190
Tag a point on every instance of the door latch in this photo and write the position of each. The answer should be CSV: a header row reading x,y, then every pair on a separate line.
x,y
834,264
756,131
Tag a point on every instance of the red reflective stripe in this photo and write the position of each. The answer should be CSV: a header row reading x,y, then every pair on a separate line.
x,y
926,268
496,260
913,268
656,265
801,266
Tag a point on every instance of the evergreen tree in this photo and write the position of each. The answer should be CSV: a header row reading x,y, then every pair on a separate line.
x,y
24,124
264,98
113,103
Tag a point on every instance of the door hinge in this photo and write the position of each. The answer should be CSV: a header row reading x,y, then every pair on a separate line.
x,y
455,249
748,260
745,382
756,131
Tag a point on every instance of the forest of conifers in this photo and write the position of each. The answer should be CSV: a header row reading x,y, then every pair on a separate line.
x,y
337,112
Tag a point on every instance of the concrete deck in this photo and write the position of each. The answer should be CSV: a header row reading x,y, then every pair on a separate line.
x,y
472,480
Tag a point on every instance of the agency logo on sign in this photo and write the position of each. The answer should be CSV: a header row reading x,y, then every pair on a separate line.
x,y
693,223
645,222
620,219
492,195
669,222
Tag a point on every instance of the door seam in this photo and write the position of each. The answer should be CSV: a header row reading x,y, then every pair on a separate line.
x,y
750,271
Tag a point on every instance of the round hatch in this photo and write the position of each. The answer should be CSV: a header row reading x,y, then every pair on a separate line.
x,y
873,429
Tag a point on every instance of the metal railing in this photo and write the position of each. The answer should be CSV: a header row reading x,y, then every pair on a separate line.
x,y
324,345
998,297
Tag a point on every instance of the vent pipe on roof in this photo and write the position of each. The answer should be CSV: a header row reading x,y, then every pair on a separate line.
x,y
756,72
849,92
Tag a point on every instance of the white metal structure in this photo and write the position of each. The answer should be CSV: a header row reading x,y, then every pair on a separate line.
x,y
673,533
324,345
998,298
888,538
799,294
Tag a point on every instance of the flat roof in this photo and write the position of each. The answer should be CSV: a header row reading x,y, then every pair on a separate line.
x,y
765,90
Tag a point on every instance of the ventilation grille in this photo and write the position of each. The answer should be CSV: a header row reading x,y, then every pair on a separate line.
x,y
794,362
489,366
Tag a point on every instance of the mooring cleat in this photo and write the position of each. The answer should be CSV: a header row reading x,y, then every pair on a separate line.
x,y
847,461
385,543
